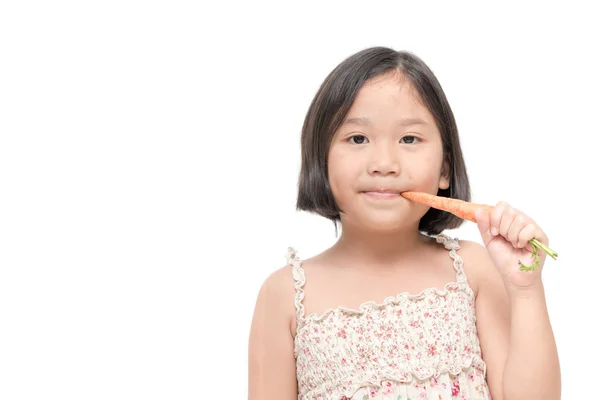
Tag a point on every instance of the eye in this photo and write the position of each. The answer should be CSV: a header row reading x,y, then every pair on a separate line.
x,y
410,139
357,139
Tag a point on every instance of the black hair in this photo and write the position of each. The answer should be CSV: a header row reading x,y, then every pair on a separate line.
x,y
330,107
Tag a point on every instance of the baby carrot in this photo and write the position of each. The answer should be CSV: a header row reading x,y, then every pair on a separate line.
x,y
466,210
460,208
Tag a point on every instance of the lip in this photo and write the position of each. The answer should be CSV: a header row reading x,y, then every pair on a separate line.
x,y
383,194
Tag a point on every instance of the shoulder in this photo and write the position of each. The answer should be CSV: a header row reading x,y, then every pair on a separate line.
x,y
475,251
477,264
278,285
271,362
275,297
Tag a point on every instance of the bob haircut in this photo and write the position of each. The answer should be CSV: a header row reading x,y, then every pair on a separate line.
x,y
330,107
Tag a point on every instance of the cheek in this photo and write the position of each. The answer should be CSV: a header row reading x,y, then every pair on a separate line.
x,y
343,175
338,178
424,176
339,168
334,174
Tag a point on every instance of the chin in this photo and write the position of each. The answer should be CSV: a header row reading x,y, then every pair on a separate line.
x,y
384,225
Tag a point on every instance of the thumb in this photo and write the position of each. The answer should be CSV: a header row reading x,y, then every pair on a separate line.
x,y
482,217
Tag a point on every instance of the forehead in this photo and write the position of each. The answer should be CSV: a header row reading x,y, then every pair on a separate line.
x,y
390,95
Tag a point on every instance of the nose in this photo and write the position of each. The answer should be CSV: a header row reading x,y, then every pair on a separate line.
x,y
384,161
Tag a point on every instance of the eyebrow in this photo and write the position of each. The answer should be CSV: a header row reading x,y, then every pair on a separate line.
x,y
366,121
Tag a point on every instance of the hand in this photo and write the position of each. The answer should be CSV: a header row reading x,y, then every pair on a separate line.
x,y
506,232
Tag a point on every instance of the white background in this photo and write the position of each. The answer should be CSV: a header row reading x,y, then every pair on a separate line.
x,y
148,162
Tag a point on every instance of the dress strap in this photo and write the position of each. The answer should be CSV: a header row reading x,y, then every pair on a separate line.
x,y
453,245
299,281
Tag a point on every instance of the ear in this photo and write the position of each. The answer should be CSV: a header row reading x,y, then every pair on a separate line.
x,y
445,176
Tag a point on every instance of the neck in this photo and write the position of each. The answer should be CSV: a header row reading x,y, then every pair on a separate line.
x,y
377,247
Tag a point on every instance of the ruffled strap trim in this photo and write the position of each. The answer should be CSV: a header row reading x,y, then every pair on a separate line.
x,y
299,281
453,245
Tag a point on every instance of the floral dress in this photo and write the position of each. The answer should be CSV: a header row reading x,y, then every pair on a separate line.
x,y
410,347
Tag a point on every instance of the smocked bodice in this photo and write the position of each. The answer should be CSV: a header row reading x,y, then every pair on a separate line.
x,y
422,344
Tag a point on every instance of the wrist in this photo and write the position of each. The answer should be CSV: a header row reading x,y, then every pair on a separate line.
x,y
531,289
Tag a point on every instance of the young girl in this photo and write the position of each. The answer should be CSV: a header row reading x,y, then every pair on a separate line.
x,y
396,309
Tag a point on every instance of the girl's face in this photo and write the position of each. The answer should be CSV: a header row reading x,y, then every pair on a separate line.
x,y
388,143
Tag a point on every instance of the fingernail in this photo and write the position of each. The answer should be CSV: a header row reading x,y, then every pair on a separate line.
x,y
494,231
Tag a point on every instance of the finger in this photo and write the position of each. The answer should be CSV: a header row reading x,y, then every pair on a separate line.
x,y
525,235
482,217
496,217
519,223
508,216
541,235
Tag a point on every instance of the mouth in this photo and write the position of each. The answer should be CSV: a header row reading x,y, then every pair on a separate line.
x,y
382,193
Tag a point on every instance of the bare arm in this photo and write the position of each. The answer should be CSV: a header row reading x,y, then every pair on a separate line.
x,y
515,334
493,314
271,363
532,368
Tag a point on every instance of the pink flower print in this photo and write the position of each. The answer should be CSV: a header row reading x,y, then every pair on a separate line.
x,y
431,350
387,387
472,376
448,348
455,388
342,333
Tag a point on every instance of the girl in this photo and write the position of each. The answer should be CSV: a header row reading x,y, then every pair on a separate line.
x,y
396,309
